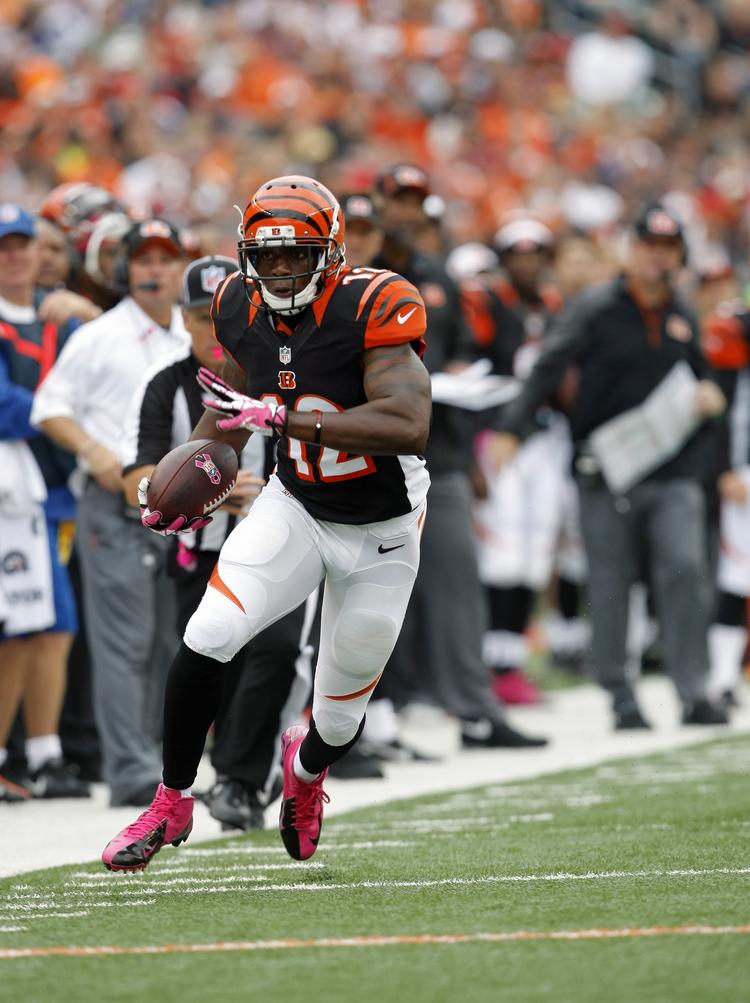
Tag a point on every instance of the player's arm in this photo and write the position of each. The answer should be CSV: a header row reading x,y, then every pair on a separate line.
x,y
207,428
396,418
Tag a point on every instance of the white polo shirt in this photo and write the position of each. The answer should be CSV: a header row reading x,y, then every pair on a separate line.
x,y
100,368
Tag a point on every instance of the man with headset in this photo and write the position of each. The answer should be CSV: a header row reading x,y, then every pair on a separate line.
x,y
82,405
625,337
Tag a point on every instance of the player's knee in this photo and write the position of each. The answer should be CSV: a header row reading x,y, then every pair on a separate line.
x,y
215,633
337,724
364,639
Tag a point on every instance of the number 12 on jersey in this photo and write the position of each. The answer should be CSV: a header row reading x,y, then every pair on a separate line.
x,y
333,464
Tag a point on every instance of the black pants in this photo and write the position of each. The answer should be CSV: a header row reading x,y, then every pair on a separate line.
x,y
258,684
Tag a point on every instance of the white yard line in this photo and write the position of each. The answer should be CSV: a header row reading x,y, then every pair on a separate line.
x,y
41,834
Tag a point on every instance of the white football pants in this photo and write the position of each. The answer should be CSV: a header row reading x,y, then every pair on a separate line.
x,y
274,559
518,524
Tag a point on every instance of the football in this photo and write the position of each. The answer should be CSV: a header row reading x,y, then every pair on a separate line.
x,y
193,479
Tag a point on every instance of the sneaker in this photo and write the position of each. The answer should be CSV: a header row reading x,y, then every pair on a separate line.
x,y
629,720
486,734
168,819
703,712
230,803
11,791
301,815
58,779
514,687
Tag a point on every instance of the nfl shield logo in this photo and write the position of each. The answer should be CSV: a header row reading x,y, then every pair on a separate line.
x,y
212,277
285,355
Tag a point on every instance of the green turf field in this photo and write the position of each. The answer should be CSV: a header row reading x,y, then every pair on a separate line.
x,y
626,883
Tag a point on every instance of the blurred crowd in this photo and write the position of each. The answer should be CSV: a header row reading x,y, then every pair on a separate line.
x,y
529,134
575,110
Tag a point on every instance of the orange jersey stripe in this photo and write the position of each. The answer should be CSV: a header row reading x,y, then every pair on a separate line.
x,y
378,280
220,292
319,305
397,317
359,693
216,582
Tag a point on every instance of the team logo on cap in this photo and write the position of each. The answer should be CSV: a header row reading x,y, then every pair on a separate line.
x,y
408,176
155,228
211,278
661,224
357,205
9,213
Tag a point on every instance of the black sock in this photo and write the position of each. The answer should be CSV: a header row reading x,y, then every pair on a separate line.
x,y
315,754
510,608
191,700
568,598
731,610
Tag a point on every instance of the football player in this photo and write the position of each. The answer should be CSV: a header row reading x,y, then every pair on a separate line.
x,y
326,359
519,520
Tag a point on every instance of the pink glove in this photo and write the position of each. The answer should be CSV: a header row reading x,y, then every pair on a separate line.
x,y
156,522
267,418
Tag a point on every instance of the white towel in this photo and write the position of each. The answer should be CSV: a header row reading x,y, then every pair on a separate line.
x,y
26,593
21,481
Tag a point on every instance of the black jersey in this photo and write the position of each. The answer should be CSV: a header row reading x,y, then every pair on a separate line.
x,y
318,365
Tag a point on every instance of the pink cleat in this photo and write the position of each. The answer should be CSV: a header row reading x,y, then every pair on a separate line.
x,y
512,686
168,819
301,815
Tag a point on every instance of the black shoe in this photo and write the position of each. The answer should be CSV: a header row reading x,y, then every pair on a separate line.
x,y
140,798
486,734
230,803
58,779
630,719
357,765
703,712
395,752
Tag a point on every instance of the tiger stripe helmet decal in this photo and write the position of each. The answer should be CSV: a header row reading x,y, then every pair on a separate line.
x,y
293,211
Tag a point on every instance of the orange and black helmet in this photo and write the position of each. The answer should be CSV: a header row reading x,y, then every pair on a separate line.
x,y
76,207
299,212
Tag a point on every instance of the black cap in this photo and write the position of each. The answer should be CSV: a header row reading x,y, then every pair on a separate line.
x,y
402,178
202,278
657,221
152,231
359,208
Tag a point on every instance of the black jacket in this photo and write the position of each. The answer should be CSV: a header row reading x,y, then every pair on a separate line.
x,y
623,351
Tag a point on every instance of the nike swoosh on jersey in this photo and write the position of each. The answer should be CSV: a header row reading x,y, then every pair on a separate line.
x,y
402,318
386,550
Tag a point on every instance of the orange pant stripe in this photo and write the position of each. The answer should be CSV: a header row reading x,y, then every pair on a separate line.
x,y
359,693
220,586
